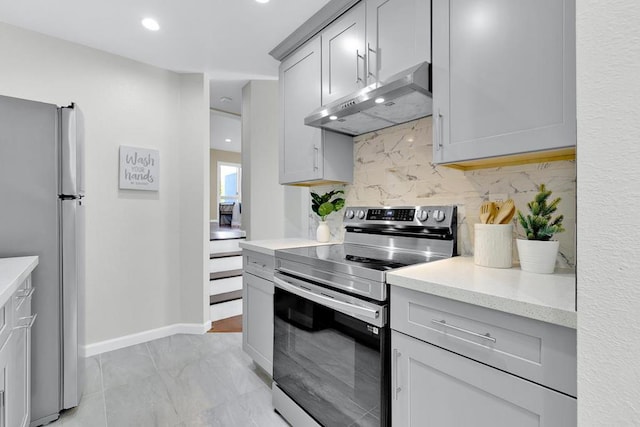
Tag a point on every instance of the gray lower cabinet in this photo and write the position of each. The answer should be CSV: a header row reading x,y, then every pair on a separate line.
x,y
308,155
257,308
456,364
432,386
15,356
504,80
5,361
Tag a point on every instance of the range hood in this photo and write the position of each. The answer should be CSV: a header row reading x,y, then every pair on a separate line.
x,y
403,97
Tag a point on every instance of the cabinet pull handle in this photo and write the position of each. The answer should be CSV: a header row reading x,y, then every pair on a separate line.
x,y
315,157
31,320
358,58
486,336
258,263
437,130
396,389
369,52
26,293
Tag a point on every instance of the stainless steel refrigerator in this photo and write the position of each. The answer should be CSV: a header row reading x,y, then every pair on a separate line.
x,y
42,213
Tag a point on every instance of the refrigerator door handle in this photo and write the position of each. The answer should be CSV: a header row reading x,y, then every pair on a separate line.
x,y
71,151
72,219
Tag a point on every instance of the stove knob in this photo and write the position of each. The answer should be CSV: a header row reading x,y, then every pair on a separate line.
x,y
438,215
360,214
422,215
349,214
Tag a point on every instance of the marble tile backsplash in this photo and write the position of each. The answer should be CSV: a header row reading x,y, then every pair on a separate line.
x,y
394,167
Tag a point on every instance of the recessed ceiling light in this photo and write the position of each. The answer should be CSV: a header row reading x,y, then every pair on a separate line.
x,y
333,117
150,24
262,1
227,140
226,99
379,100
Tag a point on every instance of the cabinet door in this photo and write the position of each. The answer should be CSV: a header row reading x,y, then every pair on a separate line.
x,y
344,55
300,145
435,387
257,320
398,36
503,77
5,357
17,398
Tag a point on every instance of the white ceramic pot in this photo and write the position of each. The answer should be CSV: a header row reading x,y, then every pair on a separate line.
x,y
537,256
323,235
493,245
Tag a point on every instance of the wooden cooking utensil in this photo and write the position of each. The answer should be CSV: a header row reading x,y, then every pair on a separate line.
x,y
506,213
493,213
485,212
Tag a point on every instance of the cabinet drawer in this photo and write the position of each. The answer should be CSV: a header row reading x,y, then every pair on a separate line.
x,y
259,264
538,351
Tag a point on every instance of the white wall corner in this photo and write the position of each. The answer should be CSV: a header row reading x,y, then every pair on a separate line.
x,y
194,197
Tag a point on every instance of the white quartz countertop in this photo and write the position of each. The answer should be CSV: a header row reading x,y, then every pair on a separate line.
x,y
268,247
547,297
13,271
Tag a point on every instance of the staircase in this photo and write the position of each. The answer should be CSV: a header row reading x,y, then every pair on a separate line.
x,y
225,272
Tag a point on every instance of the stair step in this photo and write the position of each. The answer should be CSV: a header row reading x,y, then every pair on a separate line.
x,y
225,246
225,285
224,297
225,309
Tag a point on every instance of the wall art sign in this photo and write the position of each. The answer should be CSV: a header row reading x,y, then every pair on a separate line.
x,y
139,168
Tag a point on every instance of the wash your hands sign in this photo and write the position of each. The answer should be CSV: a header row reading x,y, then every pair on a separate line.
x,y
139,168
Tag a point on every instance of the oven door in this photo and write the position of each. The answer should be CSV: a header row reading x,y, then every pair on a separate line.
x,y
331,353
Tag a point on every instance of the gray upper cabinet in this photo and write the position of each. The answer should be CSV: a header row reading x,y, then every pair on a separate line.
x,y
398,36
299,95
308,155
503,78
344,55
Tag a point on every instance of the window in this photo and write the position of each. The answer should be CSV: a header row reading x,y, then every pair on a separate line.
x,y
229,182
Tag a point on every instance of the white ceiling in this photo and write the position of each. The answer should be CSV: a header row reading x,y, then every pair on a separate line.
x,y
227,39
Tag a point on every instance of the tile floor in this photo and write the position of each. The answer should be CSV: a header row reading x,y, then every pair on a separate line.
x,y
182,380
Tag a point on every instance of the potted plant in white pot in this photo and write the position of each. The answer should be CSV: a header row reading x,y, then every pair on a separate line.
x,y
323,206
538,253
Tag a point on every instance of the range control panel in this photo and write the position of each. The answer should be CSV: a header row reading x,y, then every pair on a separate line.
x,y
390,214
436,216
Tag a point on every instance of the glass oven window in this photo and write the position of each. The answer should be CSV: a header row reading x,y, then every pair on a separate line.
x,y
329,363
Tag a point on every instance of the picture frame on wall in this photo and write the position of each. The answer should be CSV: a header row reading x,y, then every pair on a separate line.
x,y
139,168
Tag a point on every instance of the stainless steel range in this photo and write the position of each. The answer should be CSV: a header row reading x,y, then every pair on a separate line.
x,y
331,330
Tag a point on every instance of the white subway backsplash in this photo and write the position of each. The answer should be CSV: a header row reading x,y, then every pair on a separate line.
x,y
394,167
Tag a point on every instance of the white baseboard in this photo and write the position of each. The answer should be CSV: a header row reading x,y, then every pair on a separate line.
x,y
145,336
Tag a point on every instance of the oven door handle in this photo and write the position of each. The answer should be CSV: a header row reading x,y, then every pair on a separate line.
x,y
327,301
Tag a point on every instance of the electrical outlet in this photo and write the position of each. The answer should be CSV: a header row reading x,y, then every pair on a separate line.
x,y
498,197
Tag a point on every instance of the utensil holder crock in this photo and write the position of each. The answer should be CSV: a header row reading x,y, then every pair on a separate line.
x,y
493,245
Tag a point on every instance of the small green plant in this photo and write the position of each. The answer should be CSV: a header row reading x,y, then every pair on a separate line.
x,y
324,205
538,225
